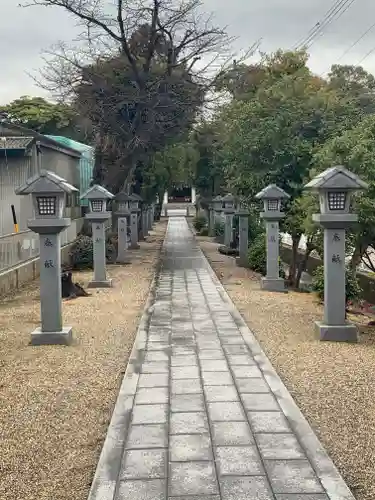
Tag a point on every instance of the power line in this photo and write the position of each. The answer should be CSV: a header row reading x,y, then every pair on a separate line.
x,y
357,41
366,56
318,25
341,13
334,13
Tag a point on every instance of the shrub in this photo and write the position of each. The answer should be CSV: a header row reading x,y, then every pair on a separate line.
x,y
219,228
203,231
81,253
352,288
257,256
199,222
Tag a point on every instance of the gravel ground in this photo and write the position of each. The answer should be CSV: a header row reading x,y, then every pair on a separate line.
x,y
332,383
56,402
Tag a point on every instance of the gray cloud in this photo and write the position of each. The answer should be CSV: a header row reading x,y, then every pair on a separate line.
x,y
24,33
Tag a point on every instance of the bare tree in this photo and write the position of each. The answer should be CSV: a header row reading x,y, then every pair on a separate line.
x,y
140,74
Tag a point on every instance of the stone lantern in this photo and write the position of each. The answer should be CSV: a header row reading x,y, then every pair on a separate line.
x,y
48,192
98,197
211,218
229,211
243,222
335,187
123,213
134,212
272,197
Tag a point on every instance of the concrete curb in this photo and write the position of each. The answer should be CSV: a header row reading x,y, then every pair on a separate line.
x,y
325,469
103,486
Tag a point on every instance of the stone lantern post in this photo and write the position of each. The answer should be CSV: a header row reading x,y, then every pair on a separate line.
x,y
243,222
48,192
229,211
134,212
97,197
123,214
142,231
334,187
272,197
211,219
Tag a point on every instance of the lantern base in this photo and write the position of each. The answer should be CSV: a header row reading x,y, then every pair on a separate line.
x,y
273,284
100,284
337,333
123,260
134,246
64,337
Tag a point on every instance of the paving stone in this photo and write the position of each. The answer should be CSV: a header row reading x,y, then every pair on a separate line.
x,y
151,395
220,393
279,446
157,367
152,356
271,422
246,371
197,497
236,349
232,340
208,344
245,488
214,365
183,350
184,372
157,346
144,464
252,385
192,478
293,496
239,461
190,447
189,386
147,436
152,489
188,423
241,359
220,412
217,378
187,402
150,414
292,476
231,433
153,380
184,360
260,402
211,354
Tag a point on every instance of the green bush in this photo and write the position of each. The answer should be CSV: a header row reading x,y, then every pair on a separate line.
x,y
352,288
257,256
219,228
203,231
199,222
81,253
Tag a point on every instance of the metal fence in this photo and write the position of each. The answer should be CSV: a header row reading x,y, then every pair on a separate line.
x,y
20,247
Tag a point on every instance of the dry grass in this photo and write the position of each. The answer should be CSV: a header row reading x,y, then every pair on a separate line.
x,y
332,383
56,402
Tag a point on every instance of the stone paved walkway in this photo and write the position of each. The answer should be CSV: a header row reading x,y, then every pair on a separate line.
x,y
196,417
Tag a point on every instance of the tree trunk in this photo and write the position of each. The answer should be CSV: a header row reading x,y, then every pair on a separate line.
x,y
302,265
358,253
294,262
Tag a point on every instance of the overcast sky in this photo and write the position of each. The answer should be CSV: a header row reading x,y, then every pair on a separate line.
x,y
24,33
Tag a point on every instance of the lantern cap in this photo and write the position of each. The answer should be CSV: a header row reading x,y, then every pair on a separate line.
x,y
122,196
337,177
135,197
97,192
45,182
272,192
218,198
228,198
